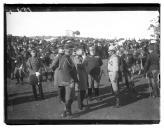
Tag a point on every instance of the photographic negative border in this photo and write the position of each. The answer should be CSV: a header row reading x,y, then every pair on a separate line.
x,y
71,7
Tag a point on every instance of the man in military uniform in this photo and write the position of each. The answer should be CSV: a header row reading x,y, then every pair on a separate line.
x,y
18,72
66,76
113,71
151,67
93,69
128,68
35,78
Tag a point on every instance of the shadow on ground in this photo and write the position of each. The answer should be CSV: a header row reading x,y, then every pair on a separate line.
x,y
109,100
30,98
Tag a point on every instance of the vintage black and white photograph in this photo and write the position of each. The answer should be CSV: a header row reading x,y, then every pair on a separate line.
x,y
82,63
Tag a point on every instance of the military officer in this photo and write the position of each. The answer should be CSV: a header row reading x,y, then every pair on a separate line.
x,y
34,65
93,69
151,67
65,78
113,72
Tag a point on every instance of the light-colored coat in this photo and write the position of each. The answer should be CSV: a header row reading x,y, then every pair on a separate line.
x,y
113,63
113,68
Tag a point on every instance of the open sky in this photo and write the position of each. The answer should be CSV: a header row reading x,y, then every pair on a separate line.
x,y
98,24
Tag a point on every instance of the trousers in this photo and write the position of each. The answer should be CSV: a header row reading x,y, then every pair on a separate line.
x,y
66,95
153,82
114,78
36,82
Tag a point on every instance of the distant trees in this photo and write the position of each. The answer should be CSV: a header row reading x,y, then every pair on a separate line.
x,y
155,26
76,33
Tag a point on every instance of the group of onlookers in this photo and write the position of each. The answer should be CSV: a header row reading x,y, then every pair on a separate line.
x,y
75,65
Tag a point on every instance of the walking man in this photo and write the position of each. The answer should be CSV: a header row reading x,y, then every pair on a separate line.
x,y
35,74
66,75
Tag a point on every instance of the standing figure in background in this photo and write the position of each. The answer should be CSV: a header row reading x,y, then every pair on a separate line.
x,y
130,62
19,69
152,69
35,78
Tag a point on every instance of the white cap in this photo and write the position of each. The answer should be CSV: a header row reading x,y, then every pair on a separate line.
x,y
69,41
153,41
60,51
111,48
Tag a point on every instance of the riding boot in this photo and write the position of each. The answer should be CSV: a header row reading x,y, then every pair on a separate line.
x,y
97,94
89,93
34,91
96,90
17,81
117,101
79,99
68,108
41,91
17,78
127,82
155,92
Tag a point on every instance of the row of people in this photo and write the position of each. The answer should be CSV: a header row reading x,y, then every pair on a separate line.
x,y
82,71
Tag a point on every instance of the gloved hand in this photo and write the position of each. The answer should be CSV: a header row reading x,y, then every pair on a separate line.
x,y
37,74
21,67
84,56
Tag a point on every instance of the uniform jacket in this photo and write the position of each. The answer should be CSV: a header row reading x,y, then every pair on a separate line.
x,y
113,63
34,65
123,64
92,62
152,62
65,71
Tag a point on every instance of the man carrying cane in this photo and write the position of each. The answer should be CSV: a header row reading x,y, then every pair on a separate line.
x,y
35,78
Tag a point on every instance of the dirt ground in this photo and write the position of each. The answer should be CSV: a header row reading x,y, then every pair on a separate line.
x,y
21,104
